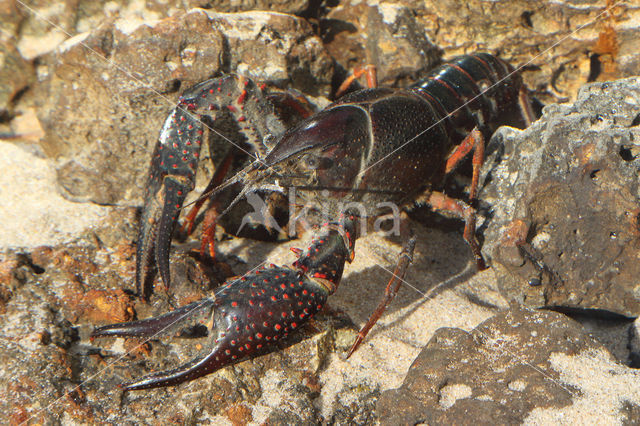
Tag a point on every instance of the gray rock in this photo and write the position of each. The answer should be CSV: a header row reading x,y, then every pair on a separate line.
x,y
565,44
386,35
564,197
130,75
16,74
520,365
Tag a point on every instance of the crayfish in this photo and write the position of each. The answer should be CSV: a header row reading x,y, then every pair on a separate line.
x,y
371,147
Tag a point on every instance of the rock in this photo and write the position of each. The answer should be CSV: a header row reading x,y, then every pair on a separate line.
x,y
564,197
386,35
295,7
102,136
275,48
16,75
563,46
519,366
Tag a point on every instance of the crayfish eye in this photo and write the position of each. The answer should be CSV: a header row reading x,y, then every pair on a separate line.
x,y
313,162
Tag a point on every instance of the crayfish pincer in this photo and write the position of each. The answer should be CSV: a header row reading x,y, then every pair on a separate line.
x,y
247,315
372,148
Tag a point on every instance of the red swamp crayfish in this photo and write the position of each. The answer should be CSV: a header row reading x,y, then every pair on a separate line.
x,y
370,146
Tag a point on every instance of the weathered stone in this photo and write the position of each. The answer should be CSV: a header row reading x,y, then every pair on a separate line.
x,y
284,6
386,35
102,136
275,48
16,74
564,196
564,45
518,366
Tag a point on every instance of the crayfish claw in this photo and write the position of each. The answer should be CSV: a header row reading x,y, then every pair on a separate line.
x,y
198,367
249,314
168,324
175,190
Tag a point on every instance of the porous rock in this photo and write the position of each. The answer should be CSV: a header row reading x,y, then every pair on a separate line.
x,y
519,366
564,44
385,35
564,201
131,74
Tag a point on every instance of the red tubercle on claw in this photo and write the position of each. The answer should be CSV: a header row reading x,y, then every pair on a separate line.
x,y
232,108
242,96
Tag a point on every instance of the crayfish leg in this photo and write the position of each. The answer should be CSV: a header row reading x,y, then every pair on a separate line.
x,y
441,202
406,257
473,141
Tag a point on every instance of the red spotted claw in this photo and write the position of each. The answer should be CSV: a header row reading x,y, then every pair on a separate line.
x,y
248,314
